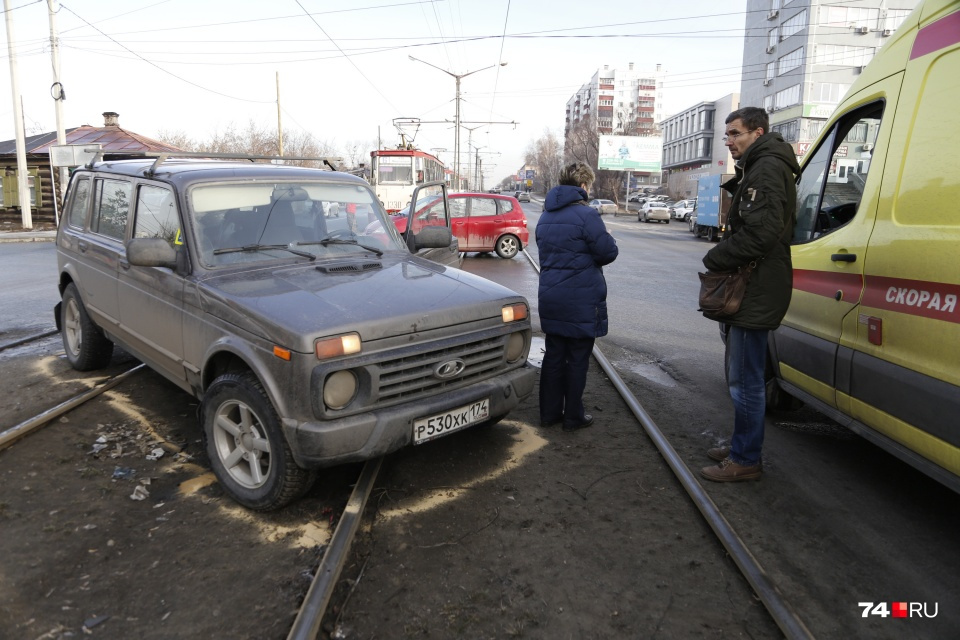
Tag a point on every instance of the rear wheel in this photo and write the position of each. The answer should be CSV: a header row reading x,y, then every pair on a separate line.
x,y
247,449
508,246
84,343
712,234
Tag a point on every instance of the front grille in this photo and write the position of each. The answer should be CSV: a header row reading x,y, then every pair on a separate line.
x,y
412,376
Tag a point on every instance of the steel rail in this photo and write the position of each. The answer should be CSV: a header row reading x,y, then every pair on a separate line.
x,y
307,624
17,343
778,608
12,434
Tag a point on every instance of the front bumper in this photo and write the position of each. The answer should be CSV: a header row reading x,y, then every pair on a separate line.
x,y
376,433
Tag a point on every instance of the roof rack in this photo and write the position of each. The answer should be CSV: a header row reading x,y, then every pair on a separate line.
x,y
162,156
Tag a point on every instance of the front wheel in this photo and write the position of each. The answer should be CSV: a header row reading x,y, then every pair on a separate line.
x,y
508,246
246,447
84,343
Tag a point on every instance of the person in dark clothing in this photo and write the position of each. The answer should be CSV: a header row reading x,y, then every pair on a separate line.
x,y
760,226
574,245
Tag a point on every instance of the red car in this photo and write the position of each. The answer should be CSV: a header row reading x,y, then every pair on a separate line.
x,y
480,221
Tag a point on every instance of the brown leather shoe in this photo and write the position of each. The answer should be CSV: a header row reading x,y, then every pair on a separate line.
x,y
730,471
718,453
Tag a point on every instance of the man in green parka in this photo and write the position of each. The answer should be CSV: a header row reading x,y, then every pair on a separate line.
x,y
759,229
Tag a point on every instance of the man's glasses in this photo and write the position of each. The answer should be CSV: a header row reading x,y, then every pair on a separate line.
x,y
734,136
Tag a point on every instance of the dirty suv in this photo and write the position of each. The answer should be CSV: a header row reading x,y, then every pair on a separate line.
x,y
308,341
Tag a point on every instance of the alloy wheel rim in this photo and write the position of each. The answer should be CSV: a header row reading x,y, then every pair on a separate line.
x,y
241,444
71,328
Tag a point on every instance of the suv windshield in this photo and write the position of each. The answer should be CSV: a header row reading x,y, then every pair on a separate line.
x,y
253,222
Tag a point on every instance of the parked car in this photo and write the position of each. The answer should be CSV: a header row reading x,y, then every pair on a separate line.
x,y
480,221
307,345
654,210
681,210
524,197
604,206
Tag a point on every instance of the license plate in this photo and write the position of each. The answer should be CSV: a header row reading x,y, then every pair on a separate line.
x,y
441,424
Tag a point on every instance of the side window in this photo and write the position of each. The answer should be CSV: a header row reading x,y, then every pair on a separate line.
x,y
80,203
506,206
830,190
483,207
111,206
458,208
156,215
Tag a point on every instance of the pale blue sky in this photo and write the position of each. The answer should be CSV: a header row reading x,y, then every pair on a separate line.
x,y
198,65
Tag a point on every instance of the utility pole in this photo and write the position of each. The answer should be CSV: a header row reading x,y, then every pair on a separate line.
x,y
279,123
59,95
469,157
22,175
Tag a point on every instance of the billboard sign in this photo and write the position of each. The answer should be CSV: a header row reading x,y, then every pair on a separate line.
x,y
630,153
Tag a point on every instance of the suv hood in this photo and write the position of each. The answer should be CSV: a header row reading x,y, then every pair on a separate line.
x,y
293,305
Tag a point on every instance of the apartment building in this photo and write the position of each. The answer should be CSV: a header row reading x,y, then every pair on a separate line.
x,y
693,145
801,56
621,102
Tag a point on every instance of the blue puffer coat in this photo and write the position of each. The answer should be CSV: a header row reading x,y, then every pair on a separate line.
x,y
574,245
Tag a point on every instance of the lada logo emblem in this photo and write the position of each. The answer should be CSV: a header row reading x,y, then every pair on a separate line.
x,y
449,369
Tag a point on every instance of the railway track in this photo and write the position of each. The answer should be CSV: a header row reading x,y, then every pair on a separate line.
x,y
325,579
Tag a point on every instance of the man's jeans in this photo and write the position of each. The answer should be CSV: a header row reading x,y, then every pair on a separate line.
x,y
745,360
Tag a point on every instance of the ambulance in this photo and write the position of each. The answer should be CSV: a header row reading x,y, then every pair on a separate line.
x,y
872,336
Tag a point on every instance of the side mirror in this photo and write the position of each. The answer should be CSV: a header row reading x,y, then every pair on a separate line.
x,y
151,252
433,238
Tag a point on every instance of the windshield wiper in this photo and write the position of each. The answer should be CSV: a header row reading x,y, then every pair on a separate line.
x,y
352,241
265,247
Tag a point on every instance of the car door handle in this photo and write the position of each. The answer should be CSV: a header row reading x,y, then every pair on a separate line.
x,y
82,246
844,257
124,264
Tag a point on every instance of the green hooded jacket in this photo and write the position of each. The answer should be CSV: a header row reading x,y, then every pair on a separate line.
x,y
760,224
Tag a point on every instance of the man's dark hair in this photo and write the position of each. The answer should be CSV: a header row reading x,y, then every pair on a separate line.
x,y
751,117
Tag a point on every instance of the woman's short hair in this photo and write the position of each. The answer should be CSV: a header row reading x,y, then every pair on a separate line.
x,y
576,174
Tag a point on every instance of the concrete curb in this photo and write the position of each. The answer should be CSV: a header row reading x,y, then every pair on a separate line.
x,y
28,236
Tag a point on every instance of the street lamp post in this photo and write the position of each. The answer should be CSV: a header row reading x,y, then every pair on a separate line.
x,y
456,141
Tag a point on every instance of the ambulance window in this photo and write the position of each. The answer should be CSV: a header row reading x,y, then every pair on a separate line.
x,y
832,184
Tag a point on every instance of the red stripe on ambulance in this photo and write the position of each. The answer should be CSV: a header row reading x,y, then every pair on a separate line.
x,y
937,300
937,35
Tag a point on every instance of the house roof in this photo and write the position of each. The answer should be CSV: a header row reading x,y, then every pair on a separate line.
x,y
111,138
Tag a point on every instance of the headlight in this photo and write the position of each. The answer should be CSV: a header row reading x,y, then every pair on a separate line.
x,y
339,389
515,346
338,346
514,312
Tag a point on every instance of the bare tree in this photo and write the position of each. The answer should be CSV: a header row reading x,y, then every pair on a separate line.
x,y
583,145
178,139
546,154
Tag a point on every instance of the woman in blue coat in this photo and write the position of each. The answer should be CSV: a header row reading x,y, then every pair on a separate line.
x,y
574,245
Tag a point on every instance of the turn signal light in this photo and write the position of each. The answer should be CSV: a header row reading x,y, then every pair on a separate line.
x,y
514,312
338,346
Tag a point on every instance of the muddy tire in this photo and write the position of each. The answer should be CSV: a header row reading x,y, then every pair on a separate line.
x,y
508,246
83,341
247,450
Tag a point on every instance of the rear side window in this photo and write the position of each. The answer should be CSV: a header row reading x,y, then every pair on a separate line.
x,y
111,207
483,207
506,206
156,215
77,214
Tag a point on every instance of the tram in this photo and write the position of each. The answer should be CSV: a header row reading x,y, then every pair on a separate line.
x,y
395,173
